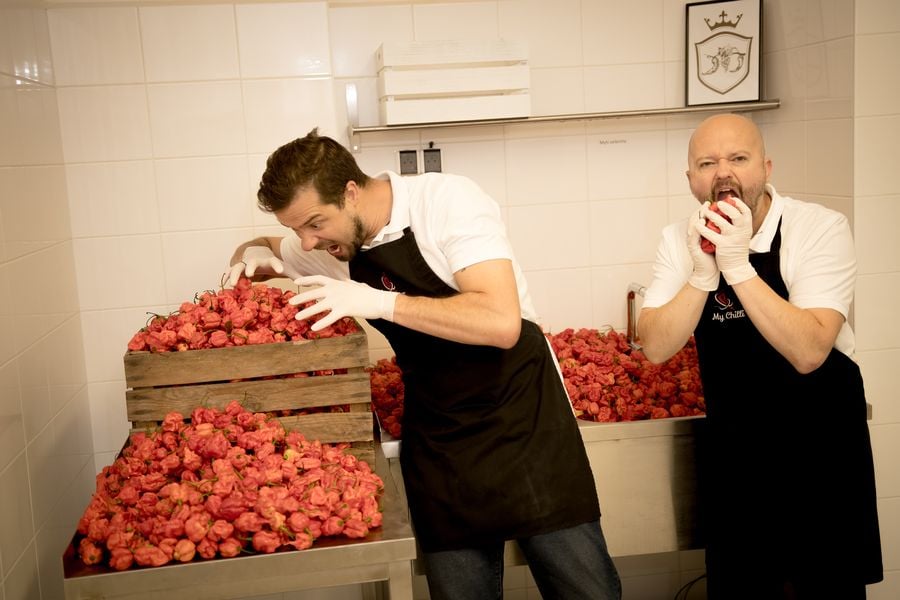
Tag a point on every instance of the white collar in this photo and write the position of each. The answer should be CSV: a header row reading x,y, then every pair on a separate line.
x,y
399,209
762,240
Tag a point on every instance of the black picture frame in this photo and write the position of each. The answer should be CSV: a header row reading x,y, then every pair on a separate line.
x,y
723,44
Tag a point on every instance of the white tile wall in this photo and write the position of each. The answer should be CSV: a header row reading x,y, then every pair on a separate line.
x,y
551,236
619,227
552,31
112,198
546,170
878,246
875,151
197,119
557,91
279,110
877,16
38,225
825,160
448,21
877,86
187,43
614,35
46,447
51,300
876,220
104,123
12,442
96,47
355,34
28,115
146,155
24,45
283,40
624,87
212,190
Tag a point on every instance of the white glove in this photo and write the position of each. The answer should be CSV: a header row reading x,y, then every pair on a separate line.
x,y
253,258
705,276
733,243
343,299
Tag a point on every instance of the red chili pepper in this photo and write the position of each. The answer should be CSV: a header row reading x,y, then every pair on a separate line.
x,y
706,245
184,550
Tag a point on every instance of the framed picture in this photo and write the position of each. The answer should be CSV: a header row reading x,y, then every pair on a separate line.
x,y
722,59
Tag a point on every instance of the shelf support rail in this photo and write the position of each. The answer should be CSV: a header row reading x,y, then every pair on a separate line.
x,y
354,130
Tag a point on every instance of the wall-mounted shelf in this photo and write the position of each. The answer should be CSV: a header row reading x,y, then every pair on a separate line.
x,y
354,130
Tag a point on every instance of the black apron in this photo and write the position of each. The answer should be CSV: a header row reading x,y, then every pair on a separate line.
x,y
787,480
491,449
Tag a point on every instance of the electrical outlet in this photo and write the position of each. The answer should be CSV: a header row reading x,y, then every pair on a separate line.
x,y
432,160
409,162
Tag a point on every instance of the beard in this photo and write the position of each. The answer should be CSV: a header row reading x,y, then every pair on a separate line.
x,y
749,196
356,243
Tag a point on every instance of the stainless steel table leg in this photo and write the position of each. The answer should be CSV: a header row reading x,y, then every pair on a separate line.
x,y
400,580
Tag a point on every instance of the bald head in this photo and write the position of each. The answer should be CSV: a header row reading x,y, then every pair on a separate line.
x,y
725,127
726,155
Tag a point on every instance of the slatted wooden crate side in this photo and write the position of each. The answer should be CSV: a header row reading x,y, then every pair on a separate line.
x,y
328,428
290,393
332,428
356,428
146,369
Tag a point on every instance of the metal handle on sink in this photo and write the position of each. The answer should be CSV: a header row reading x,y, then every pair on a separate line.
x,y
633,289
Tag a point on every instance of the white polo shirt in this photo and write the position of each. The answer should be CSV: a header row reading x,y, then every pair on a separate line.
x,y
455,222
818,259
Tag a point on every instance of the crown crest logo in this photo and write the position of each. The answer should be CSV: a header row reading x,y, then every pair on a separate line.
x,y
722,22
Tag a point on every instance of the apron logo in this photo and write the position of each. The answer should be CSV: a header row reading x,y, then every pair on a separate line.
x,y
724,309
387,283
723,301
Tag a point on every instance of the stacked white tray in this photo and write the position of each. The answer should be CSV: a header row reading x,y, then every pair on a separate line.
x,y
450,80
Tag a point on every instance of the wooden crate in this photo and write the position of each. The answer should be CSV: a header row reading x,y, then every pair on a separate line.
x,y
161,382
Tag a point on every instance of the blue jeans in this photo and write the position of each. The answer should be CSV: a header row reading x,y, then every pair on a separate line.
x,y
569,564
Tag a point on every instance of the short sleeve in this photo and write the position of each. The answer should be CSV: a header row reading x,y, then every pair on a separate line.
x,y
672,267
819,259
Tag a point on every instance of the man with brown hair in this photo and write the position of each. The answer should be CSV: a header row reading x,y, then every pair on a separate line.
x,y
491,450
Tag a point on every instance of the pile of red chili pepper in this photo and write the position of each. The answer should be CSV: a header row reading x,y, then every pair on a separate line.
x,y
246,314
607,380
387,394
225,483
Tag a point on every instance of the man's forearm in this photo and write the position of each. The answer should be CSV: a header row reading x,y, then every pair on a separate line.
x,y
804,337
664,330
468,318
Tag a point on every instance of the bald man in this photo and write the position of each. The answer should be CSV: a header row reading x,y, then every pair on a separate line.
x,y
764,283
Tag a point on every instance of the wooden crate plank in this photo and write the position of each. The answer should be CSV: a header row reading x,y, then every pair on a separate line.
x,y
332,428
364,451
144,369
328,428
148,404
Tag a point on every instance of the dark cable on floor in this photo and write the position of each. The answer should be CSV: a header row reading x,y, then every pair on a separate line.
x,y
686,588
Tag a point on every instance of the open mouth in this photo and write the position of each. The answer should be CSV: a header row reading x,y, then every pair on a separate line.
x,y
724,193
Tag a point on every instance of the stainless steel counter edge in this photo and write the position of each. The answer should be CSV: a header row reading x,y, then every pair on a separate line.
x,y
592,431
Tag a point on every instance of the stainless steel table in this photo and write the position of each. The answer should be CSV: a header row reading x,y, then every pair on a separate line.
x,y
385,555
